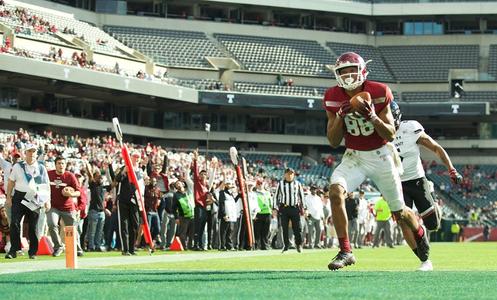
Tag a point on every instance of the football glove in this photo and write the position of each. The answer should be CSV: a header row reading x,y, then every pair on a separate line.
x,y
455,177
367,111
344,109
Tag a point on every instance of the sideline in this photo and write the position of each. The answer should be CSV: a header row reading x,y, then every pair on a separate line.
x,y
142,258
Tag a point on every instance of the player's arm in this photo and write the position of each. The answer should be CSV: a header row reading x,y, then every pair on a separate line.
x,y
8,195
335,129
384,124
433,146
89,171
277,196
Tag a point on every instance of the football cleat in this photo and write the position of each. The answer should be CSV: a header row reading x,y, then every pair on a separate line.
x,y
426,266
423,246
342,259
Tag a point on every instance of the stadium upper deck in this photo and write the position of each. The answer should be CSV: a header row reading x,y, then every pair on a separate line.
x,y
129,72
269,63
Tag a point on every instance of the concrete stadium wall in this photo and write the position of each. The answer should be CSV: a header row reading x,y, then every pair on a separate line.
x,y
345,7
191,73
126,64
357,8
44,48
423,9
376,9
98,79
270,78
187,136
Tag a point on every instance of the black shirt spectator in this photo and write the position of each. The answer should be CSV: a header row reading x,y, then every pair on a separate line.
x,y
97,192
352,208
152,197
167,202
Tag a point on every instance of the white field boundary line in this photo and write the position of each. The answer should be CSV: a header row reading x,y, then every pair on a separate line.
x,y
474,237
100,262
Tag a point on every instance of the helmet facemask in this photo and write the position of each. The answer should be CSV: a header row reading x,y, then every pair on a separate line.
x,y
347,81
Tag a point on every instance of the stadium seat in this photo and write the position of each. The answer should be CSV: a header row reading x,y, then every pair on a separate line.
x,y
277,55
168,47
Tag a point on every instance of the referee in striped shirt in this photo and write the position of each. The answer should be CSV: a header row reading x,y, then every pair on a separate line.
x,y
290,201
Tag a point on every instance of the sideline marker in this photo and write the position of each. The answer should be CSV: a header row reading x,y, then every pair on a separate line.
x,y
70,241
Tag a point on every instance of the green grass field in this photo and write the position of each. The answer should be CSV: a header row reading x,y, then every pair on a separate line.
x,y
463,271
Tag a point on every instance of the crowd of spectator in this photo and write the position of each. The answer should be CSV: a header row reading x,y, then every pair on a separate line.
x,y
99,157
478,184
27,21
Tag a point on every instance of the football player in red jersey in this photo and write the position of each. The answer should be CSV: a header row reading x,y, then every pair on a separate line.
x,y
366,132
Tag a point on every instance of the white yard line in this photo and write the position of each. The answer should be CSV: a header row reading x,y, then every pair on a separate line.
x,y
142,258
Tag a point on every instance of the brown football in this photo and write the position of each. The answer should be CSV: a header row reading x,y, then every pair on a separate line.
x,y
68,190
358,99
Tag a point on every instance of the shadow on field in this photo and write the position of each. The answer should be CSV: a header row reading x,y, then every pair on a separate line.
x,y
83,277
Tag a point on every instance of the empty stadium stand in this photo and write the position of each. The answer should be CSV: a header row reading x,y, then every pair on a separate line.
x,y
425,96
168,47
492,61
429,63
483,96
275,55
377,68
480,96
200,84
262,88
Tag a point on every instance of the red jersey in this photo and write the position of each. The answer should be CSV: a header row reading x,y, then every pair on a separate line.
x,y
360,134
57,184
200,191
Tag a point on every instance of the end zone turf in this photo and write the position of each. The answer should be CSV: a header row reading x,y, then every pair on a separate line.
x,y
463,271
